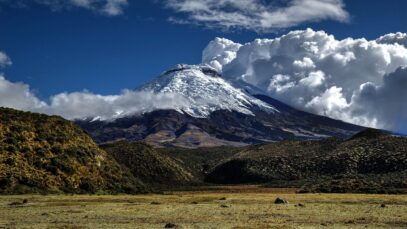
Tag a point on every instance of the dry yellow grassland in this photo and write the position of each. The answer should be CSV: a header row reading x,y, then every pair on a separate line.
x,y
206,209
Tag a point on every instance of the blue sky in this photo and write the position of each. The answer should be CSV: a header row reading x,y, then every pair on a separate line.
x,y
75,49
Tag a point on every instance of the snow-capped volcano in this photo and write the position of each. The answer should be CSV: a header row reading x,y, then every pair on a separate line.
x,y
193,106
203,91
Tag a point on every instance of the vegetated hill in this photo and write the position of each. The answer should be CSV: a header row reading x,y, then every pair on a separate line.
x,y
47,154
211,112
150,166
371,161
200,161
168,168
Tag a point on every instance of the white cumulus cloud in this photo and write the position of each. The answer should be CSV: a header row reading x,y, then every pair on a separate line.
x,y
356,80
351,79
80,105
18,95
257,15
220,52
384,104
392,38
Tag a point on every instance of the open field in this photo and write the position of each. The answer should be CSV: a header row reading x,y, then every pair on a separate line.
x,y
235,207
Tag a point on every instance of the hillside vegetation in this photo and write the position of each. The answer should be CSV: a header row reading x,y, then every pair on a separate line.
x,y
200,161
47,154
151,167
371,161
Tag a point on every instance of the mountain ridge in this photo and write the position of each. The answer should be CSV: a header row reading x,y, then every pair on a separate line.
x,y
213,112
371,161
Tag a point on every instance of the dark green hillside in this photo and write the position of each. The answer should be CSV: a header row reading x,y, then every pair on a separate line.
x,y
47,154
371,161
200,161
150,166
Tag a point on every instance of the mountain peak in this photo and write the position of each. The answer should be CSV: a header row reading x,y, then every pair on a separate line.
x,y
204,91
205,69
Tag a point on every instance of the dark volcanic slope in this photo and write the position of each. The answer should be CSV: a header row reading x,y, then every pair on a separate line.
x,y
165,128
150,166
43,154
200,161
371,161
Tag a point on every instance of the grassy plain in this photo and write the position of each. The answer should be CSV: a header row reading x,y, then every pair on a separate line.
x,y
228,207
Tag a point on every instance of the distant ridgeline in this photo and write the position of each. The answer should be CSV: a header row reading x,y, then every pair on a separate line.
x,y
372,161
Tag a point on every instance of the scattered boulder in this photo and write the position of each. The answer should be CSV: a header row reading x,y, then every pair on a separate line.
x,y
170,225
300,205
350,222
383,206
280,201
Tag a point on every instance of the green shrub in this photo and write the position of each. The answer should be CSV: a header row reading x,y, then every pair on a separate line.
x,y
56,149
10,161
12,149
10,140
87,186
41,151
63,164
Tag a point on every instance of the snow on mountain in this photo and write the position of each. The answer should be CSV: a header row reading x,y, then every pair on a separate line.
x,y
205,91
178,113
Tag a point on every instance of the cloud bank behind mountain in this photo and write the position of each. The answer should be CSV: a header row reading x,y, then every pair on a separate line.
x,y
355,80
